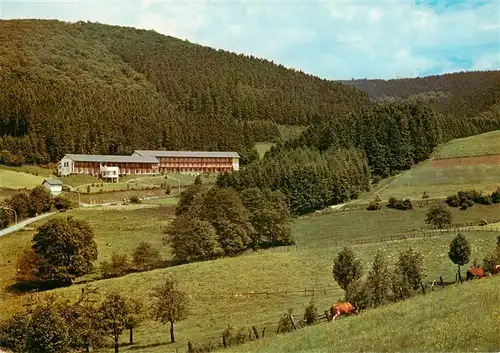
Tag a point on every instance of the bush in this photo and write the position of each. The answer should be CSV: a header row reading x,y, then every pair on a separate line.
x,y
285,324
401,205
453,201
119,266
146,257
376,179
495,196
358,293
310,313
62,203
233,336
373,206
438,215
135,200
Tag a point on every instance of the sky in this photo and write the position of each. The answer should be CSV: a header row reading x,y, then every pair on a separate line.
x,y
337,40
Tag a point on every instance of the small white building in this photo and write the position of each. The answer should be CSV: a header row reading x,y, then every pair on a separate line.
x,y
110,173
53,185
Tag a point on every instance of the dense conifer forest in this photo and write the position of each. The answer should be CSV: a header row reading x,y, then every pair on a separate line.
x,y
93,88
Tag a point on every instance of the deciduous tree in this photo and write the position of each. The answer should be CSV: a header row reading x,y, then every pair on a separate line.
x,y
67,249
170,305
439,215
146,257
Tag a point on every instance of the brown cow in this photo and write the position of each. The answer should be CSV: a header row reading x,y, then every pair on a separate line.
x,y
475,272
344,308
496,269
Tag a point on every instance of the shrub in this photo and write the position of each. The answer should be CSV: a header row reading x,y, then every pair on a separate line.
x,y
88,189
40,200
495,196
453,201
134,199
146,257
438,215
358,293
233,336
373,206
285,324
62,203
401,205
118,266
310,313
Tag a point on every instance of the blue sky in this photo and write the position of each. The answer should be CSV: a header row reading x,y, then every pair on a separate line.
x,y
340,39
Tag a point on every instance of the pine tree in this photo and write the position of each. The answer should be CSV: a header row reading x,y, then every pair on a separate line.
x,y
459,252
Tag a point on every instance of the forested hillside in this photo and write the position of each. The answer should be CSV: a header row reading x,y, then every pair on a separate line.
x,y
388,138
460,94
93,88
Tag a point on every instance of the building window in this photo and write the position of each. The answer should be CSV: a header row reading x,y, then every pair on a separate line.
x,y
66,164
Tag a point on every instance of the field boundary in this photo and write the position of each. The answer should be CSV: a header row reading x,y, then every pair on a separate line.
x,y
486,159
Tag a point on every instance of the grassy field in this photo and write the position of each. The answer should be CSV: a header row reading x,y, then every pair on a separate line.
x,y
488,143
263,147
462,318
289,132
307,265
438,182
10,179
123,229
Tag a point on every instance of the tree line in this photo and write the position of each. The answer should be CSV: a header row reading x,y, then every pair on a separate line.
x,y
222,222
53,324
29,204
332,161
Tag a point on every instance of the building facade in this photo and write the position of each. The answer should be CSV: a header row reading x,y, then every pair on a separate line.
x,y
53,185
144,162
96,165
194,161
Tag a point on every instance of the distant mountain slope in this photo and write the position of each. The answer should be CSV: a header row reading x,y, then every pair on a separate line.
x,y
92,88
461,94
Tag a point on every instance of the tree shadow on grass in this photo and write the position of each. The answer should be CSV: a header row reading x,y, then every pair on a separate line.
x,y
152,345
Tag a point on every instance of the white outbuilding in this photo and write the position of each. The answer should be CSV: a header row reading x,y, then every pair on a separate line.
x,y
53,185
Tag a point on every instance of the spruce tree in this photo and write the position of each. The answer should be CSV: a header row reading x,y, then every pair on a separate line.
x,y
459,252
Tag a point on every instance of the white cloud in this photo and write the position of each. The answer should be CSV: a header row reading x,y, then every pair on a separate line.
x,y
339,40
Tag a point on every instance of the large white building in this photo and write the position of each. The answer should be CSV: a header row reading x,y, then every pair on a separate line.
x,y
149,162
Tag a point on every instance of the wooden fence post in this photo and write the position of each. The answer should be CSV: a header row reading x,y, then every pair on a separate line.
x,y
263,331
224,343
423,288
255,332
190,347
293,322
441,280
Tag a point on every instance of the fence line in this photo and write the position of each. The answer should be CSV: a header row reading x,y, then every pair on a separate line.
x,y
423,233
